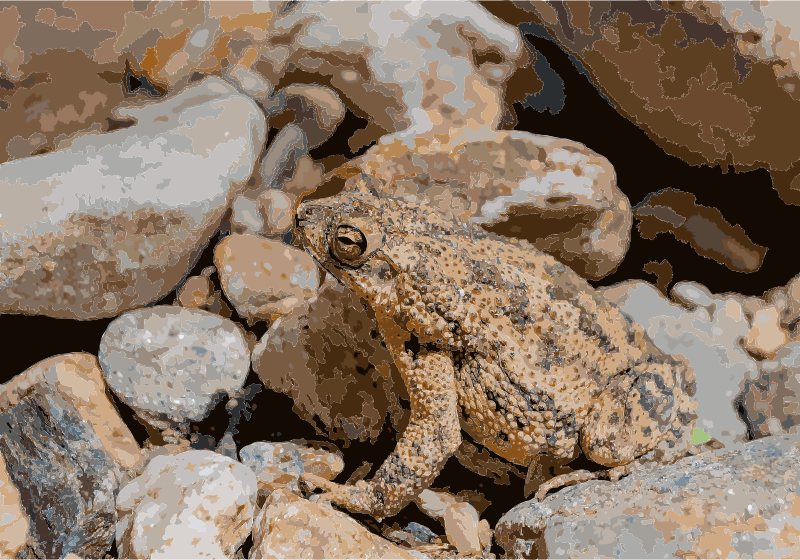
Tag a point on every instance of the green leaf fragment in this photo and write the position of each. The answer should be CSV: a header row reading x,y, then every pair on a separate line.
x,y
700,436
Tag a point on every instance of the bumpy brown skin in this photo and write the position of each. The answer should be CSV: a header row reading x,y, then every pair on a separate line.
x,y
491,334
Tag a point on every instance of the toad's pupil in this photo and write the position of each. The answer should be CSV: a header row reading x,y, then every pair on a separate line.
x,y
350,243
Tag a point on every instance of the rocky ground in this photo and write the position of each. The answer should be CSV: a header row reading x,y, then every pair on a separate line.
x,y
176,361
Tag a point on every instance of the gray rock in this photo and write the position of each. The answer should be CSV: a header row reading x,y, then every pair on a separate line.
x,y
113,221
733,503
67,480
274,463
394,61
317,110
420,533
170,364
279,163
246,216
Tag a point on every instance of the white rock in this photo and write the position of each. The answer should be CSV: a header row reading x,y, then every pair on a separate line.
x,y
197,504
434,503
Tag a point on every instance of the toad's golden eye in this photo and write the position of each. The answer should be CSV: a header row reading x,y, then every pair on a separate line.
x,y
349,244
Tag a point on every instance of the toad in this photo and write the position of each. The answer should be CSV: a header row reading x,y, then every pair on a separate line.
x,y
493,337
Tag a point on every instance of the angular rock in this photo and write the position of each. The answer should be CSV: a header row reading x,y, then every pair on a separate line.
x,y
291,527
435,502
67,479
732,503
461,526
420,533
113,221
191,505
79,380
171,364
264,279
328,357
555,193
705,330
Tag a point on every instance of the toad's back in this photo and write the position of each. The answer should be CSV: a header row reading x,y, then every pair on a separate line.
x,y
533,344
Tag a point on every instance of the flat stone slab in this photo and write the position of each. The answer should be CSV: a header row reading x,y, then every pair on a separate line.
x,y
732,503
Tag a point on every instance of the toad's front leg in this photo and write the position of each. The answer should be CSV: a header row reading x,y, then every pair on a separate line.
x,y
432,436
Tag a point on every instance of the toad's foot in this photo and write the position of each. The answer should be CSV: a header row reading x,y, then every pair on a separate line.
x,y
577,477
363,497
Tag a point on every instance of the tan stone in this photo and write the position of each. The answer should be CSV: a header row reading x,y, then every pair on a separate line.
x,y
766,336
264,279
462,529
558,194
291,527
435,502
14,521
195,292
277,211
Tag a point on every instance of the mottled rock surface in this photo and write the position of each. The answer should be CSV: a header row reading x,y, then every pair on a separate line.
x,y
196,504
740,502
770,403
171,364
113,222
67,479
440,86
14,521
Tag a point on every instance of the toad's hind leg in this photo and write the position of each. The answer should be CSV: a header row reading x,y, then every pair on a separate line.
x,y
432,436
644,413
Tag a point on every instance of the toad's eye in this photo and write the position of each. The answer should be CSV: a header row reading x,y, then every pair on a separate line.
x,y
349,244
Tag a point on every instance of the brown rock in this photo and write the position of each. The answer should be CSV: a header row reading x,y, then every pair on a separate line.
x,y
264,279
195,292
662,65
770,401
766,336
328,357
555,193
704,228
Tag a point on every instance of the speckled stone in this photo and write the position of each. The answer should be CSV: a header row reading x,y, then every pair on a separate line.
x,y
169,364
